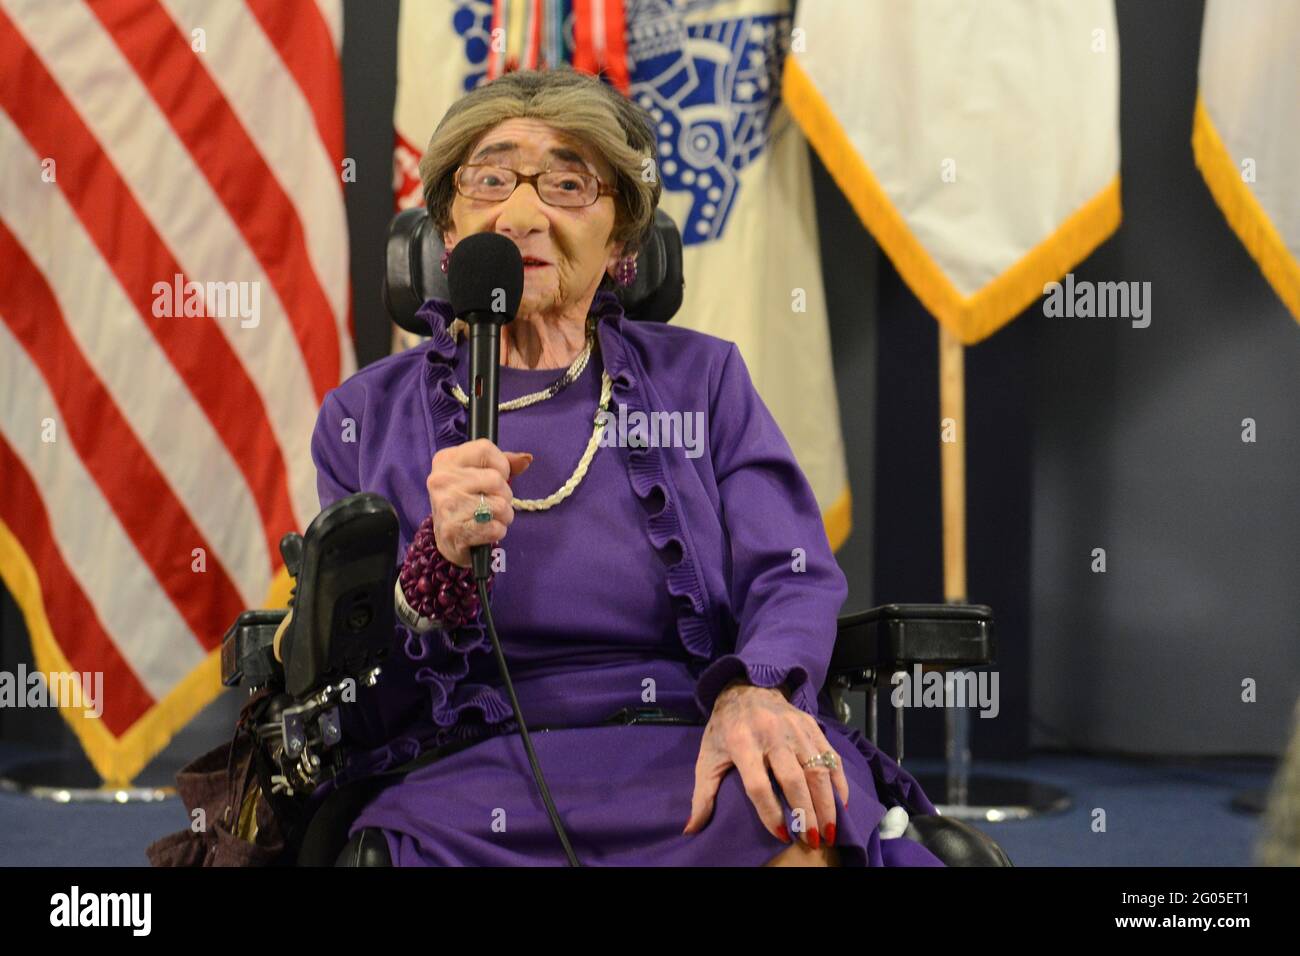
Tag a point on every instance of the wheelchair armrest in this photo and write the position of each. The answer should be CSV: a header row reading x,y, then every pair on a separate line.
x,y
894,636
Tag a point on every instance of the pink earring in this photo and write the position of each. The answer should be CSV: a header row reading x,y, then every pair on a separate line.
x,y
446,257
625,271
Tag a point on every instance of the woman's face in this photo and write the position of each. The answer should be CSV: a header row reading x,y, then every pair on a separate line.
x,y
574,243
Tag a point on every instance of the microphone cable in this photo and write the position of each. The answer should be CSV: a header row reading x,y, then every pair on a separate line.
x,y
523,730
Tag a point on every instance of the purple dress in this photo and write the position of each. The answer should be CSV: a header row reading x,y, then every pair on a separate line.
x,y
667,573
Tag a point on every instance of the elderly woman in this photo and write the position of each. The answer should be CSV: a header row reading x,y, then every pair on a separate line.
x,y
698,582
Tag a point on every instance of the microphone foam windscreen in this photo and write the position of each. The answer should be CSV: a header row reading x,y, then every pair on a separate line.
x,y
486,274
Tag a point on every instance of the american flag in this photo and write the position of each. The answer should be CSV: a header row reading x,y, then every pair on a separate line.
x,y
174,304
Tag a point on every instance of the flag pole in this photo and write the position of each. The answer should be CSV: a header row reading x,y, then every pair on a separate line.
x,y
952,461
994,798
952,470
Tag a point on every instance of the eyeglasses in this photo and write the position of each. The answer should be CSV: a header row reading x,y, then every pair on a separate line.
x,y
555,187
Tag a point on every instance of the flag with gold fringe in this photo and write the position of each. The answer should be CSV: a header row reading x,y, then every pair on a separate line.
x,y
978,142
1246,131
174,305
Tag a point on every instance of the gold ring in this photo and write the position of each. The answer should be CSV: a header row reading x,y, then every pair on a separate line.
x,y
827,759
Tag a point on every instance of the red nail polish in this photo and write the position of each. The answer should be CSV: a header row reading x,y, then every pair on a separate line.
x,y
783,833
814,838
830,834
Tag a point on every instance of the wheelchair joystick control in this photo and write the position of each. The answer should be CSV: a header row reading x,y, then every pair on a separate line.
x,y
291,546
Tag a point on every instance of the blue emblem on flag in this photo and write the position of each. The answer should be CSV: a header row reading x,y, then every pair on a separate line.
x,y
712,89
473,21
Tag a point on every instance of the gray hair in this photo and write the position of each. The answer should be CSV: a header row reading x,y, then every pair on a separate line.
x,y
578,104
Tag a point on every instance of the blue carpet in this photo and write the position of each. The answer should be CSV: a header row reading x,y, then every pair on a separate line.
x,y
1157,814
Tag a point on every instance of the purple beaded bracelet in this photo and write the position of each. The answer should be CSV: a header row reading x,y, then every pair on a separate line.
x,y
431,591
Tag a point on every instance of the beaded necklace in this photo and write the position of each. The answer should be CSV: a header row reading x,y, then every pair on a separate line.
x,y
598,423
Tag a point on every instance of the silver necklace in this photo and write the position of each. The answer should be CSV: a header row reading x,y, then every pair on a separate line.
x,y
569,376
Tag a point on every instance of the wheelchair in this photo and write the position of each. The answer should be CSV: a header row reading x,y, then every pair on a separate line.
x,y
342,616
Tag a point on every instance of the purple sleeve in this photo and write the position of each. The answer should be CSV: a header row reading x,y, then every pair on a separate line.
x,y
786,586
335,459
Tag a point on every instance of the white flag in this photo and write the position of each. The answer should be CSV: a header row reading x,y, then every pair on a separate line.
x,y
1246,131
979,142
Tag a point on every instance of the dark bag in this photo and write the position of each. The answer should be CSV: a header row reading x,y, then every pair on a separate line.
x,y
237,824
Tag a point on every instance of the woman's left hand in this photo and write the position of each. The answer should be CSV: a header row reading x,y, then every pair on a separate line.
x,y
754,729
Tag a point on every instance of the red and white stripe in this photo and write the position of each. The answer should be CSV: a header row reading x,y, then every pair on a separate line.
x,y
172,433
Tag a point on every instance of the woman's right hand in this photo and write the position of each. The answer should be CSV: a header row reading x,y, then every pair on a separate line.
x,y
458,476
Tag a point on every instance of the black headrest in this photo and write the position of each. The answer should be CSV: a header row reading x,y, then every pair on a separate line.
x,y
413,272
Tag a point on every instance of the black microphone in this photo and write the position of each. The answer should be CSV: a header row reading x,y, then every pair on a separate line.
x,y
486,277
